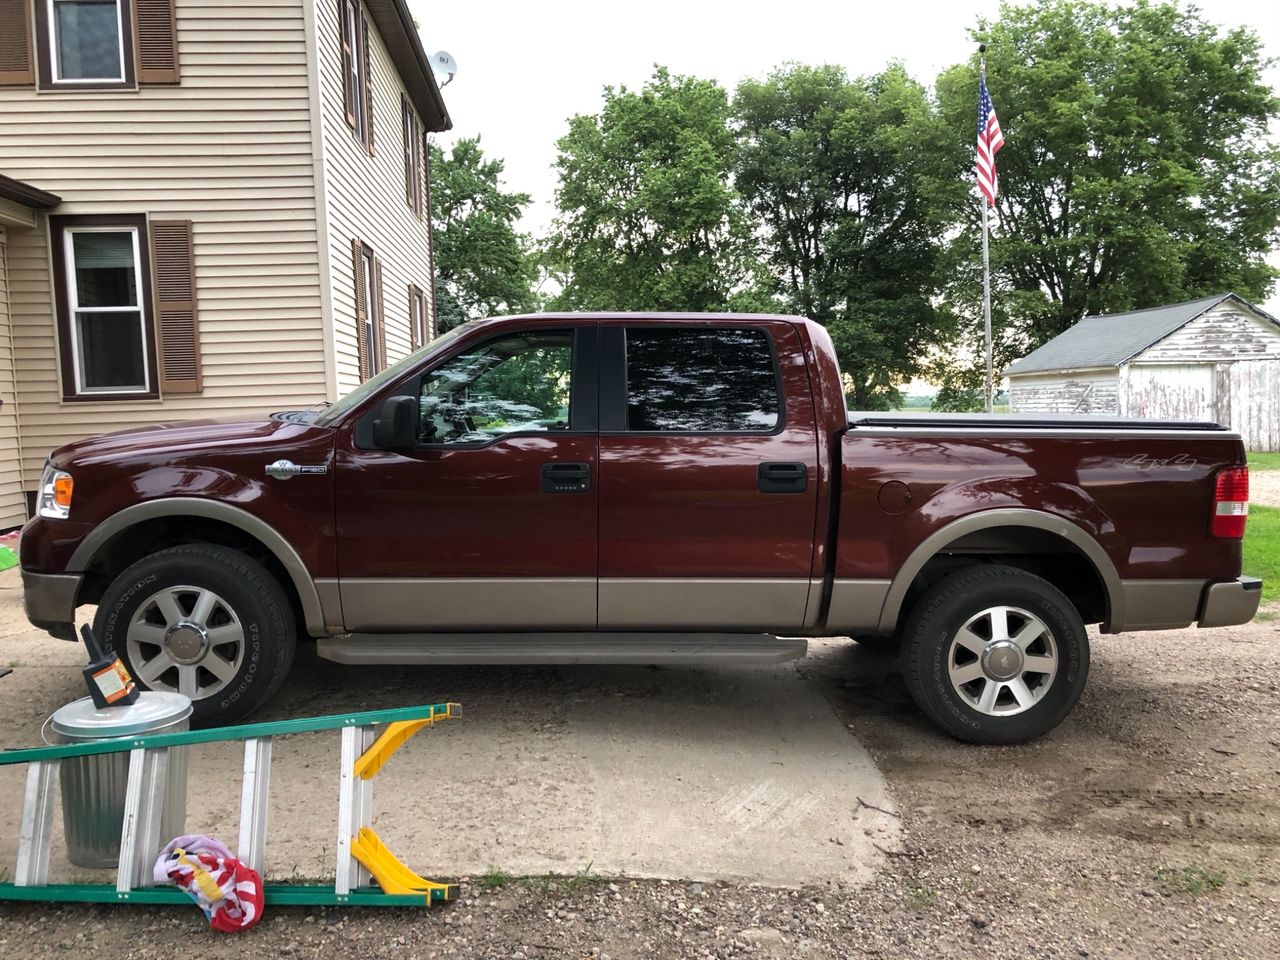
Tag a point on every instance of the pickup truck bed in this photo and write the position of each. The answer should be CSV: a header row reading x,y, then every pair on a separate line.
x,y
639,487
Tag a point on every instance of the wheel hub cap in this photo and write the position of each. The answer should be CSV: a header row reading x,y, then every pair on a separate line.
x,y
186,642
1002,660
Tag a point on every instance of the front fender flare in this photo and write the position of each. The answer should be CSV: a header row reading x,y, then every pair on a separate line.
x,y
255,527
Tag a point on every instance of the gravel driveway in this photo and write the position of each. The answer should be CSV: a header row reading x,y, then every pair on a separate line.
x,y
1148,825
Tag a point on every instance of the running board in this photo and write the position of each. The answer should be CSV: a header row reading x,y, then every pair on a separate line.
x,y
544,648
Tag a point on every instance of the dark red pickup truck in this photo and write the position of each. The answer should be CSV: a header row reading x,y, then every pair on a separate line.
x,y
639,488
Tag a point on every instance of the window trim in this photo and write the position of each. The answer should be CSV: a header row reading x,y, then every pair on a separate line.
x,y
353,28
614,383
420,332
47,59
61,229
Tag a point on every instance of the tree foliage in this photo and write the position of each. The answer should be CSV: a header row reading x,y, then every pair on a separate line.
x,y
853,182
648,218
1136,169
484,265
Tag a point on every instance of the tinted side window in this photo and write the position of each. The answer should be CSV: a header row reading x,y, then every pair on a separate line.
x,y
707,380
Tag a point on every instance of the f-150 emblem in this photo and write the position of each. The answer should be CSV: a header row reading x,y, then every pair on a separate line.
x,y
284,469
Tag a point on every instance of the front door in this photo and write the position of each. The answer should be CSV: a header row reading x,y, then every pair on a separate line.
x,y
490,522
708,476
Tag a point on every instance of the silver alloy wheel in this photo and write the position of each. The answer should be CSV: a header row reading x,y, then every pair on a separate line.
x,y
187,640
1002,661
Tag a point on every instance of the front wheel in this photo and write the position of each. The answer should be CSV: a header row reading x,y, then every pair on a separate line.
x,y
994,654
204,621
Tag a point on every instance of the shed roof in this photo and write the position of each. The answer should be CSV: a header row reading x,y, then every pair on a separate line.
x,y
1109,339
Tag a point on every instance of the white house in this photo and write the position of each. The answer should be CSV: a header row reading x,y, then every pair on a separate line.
x,y
1216,358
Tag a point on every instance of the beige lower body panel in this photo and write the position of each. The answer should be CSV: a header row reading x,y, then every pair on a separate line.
x,y
1159,604
703,604
856,606
497,603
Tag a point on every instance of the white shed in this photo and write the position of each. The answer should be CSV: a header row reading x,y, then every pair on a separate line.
x,y
1217,358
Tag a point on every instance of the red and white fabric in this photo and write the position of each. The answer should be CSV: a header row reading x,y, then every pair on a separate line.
x,y
229,893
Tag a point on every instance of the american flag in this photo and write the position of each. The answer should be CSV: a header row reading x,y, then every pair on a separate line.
x,y
990,140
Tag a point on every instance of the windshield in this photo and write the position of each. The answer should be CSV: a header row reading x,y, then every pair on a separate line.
x,y
337,410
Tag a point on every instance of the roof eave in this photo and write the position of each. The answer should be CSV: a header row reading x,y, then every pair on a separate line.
x,y
26,195
395,25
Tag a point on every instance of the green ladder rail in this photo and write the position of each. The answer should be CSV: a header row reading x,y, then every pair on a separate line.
x,y
360,857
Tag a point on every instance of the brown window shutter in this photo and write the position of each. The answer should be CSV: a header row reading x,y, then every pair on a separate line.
x,y
366,103
362,339
157,38
15,44
379,318
177,325
406,125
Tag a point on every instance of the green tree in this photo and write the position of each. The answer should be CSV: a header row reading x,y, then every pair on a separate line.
x,y
1136,169
484,265
854,183
648,218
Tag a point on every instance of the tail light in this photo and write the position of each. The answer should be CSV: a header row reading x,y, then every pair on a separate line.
x,y
1230,502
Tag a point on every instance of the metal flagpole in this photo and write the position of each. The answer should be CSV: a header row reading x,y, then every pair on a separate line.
x,y
986,265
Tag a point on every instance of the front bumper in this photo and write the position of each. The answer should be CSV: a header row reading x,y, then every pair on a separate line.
x,y
50,601
1231,603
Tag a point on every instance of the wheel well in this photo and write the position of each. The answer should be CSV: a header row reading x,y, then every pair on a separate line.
x,y
1037,551
149,536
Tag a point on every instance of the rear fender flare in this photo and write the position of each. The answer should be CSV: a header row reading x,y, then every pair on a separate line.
x,y
1077,536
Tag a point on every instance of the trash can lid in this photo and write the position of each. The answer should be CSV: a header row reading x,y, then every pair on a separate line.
x,y
81,720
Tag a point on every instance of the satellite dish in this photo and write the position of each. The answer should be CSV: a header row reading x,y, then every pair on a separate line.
x,y
442,62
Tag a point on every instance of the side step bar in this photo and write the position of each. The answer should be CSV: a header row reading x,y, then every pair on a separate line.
x,y
551,648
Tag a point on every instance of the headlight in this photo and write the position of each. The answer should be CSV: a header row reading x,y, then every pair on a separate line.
x,y
55,493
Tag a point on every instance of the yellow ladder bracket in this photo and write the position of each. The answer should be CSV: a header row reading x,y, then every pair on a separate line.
x,y
365,847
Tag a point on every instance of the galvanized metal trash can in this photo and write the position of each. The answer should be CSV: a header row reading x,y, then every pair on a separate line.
x,y
93,788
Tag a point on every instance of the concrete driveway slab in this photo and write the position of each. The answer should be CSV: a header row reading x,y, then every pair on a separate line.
x,y
740,773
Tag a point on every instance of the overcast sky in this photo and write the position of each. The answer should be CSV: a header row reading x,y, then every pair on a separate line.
x,y
525,67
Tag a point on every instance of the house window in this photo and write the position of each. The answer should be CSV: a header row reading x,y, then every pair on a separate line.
x,y
85,42
102,281
355,71
371,336
413,153
420,332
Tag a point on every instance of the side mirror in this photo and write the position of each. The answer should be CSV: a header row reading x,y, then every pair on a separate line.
x,y
397,425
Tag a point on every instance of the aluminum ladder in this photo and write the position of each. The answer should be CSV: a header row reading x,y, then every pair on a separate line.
x,y
361,855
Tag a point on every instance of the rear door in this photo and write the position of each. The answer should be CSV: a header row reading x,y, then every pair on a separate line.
x,y
708,476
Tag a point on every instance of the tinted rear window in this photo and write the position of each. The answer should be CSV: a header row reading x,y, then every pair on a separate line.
x,y
701,381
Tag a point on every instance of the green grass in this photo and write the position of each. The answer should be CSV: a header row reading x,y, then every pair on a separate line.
x,y
1264,461
921,898
1262,549
1193,880
494,879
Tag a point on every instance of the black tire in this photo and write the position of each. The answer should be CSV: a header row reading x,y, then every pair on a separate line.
x,y
248,600
928,657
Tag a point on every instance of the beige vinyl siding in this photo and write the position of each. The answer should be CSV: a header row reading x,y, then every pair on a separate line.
x,y
1228,331
230,149
365,198
1086,391
13,508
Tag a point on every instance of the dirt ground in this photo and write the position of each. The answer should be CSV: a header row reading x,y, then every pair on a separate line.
x,y
1147,825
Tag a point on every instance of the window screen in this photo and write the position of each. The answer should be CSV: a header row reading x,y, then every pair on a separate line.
x,y
701,380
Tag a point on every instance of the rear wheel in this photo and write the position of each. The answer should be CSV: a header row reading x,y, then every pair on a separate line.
x,y
204,621
994,654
